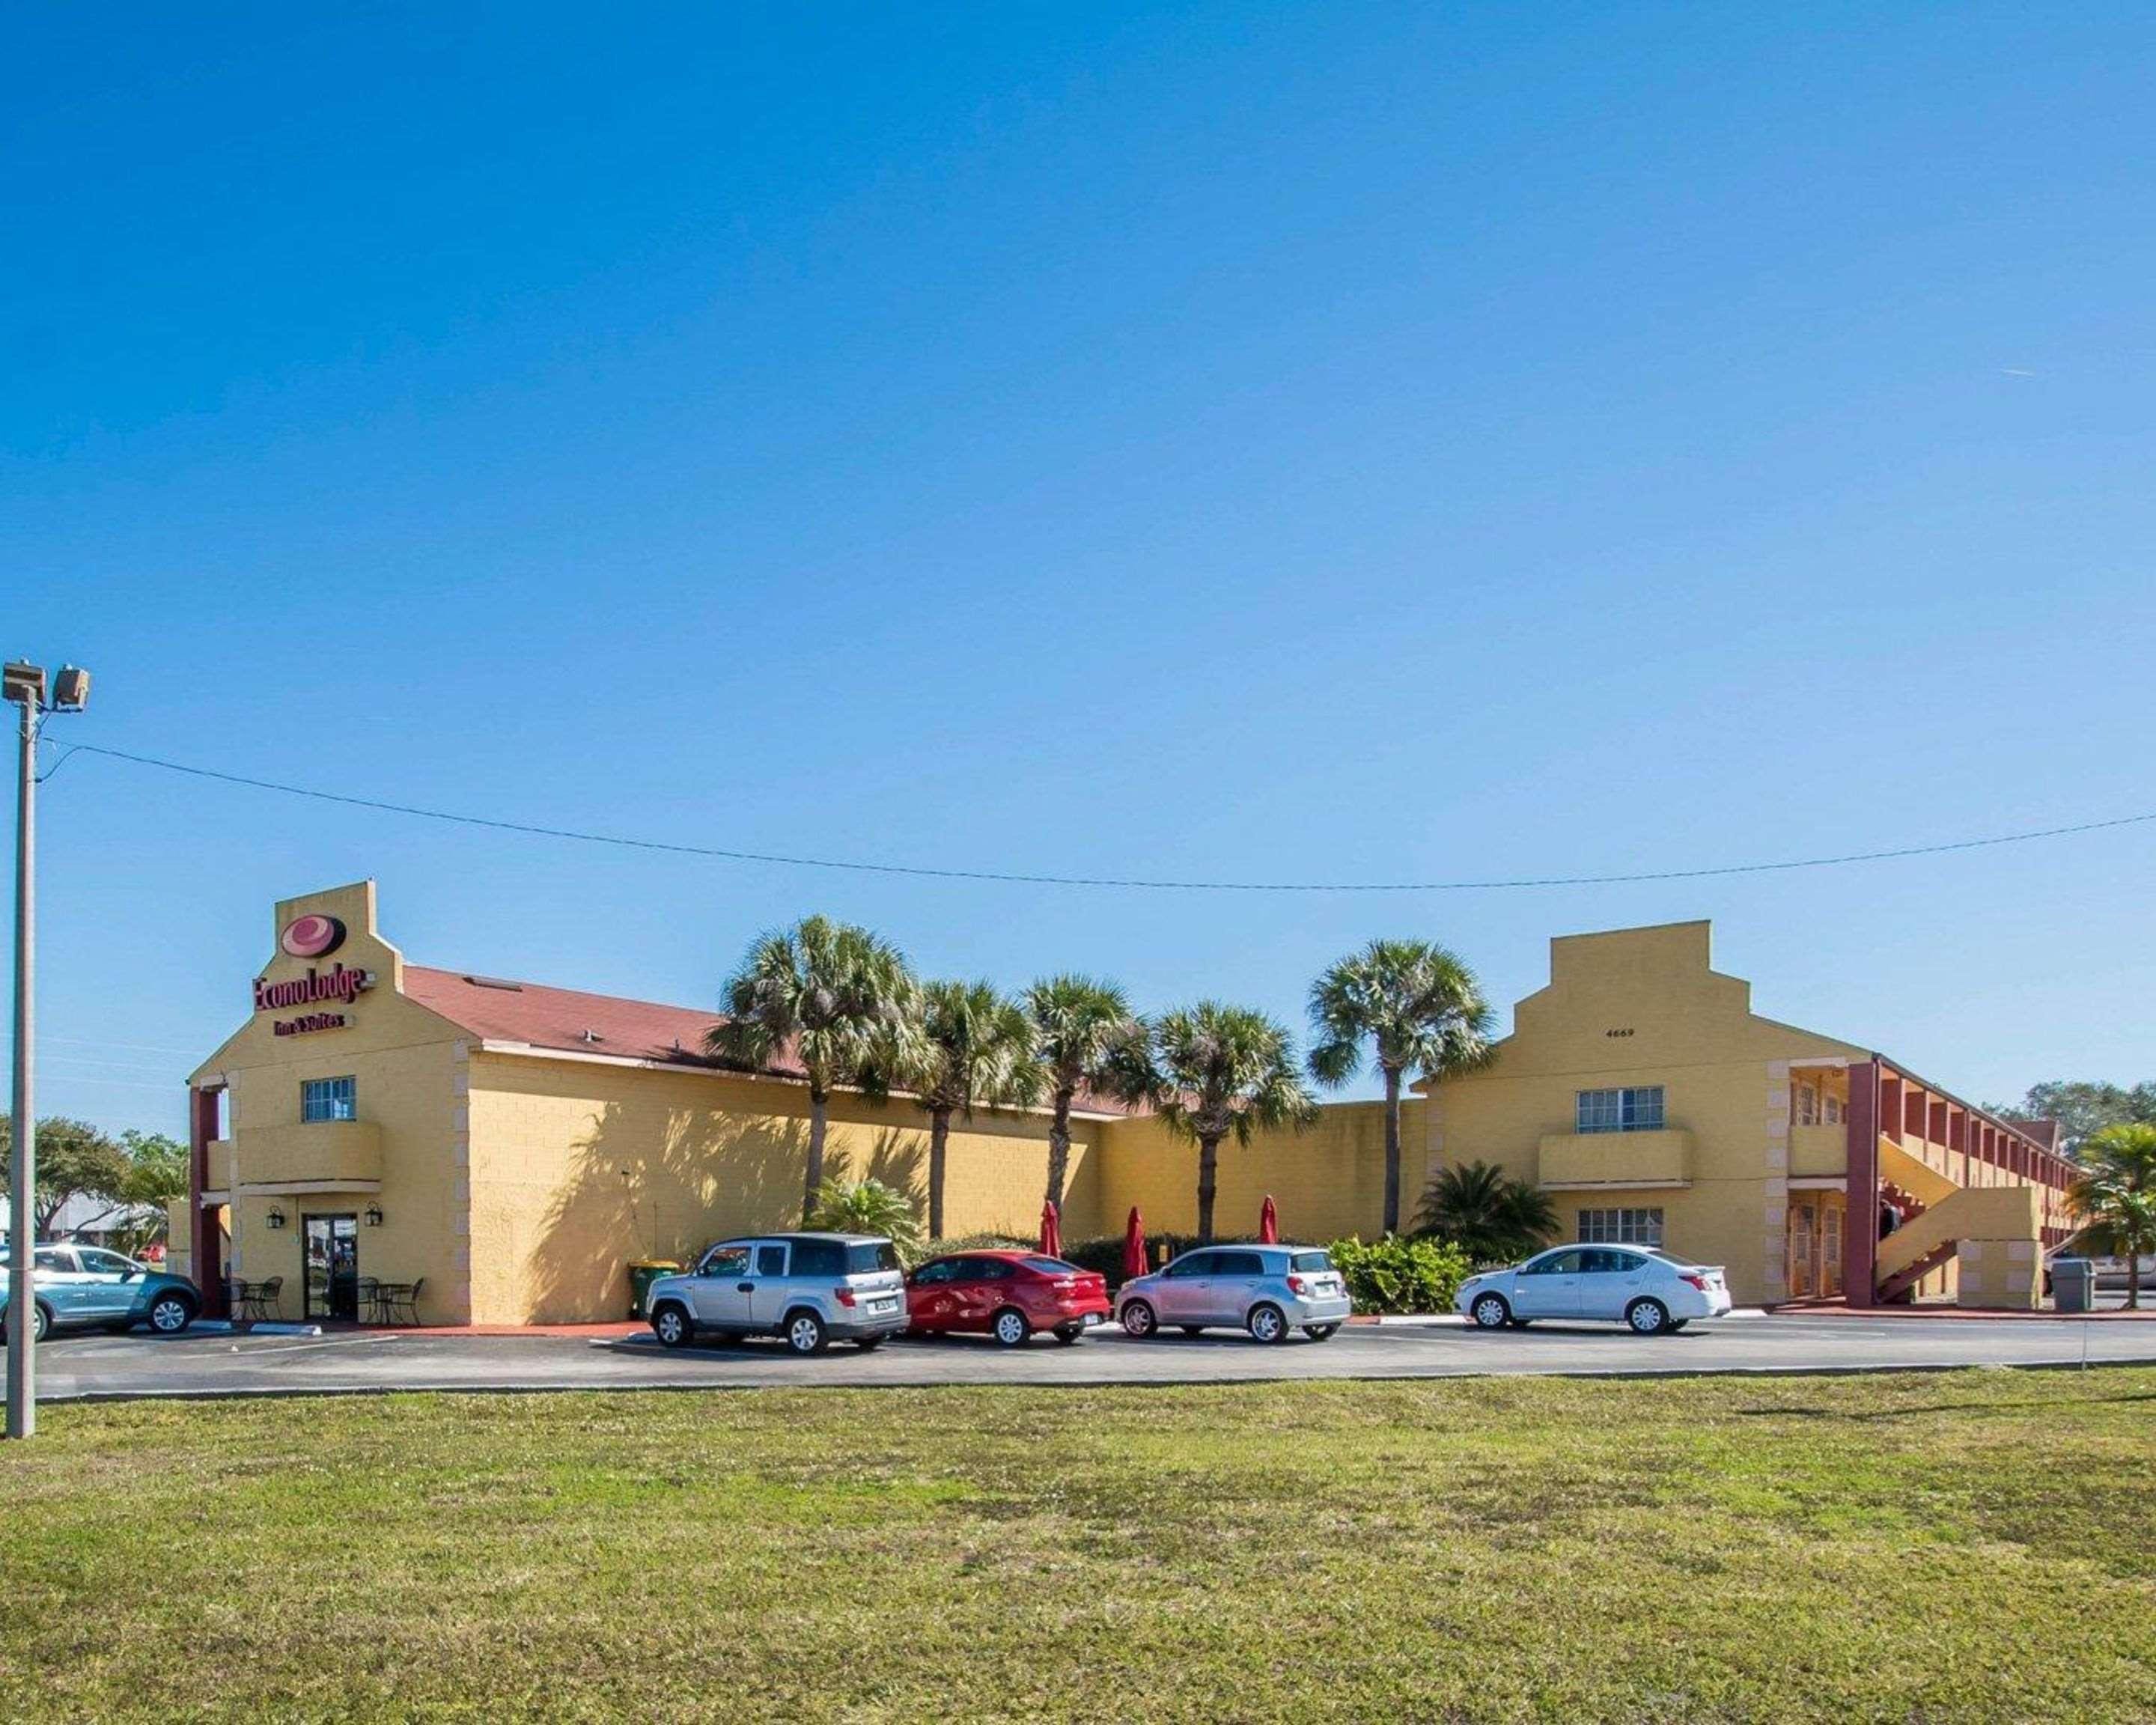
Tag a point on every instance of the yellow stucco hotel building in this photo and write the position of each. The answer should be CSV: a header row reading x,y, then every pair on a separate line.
x,y
509,1147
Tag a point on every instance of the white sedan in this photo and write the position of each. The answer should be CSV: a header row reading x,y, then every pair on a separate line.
x,y
1647,1291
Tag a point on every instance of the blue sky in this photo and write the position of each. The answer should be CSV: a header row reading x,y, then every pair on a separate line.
x,y
1249,442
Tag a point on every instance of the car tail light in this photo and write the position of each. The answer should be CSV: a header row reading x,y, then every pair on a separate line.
x,y
1700,1283
1296,1285
845,1296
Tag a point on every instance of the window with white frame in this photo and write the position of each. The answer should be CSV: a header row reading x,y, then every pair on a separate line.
x,y
1621,1227
1808,1100
1833,1114
328,1099
1635,1108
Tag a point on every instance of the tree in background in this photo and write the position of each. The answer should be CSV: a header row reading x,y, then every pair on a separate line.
x,y
867,1206
834,998
2116,1198
156,1179
1491,1217
1086,1037
1417,1008
2085,1106
1223,1070
976,1049
74,1160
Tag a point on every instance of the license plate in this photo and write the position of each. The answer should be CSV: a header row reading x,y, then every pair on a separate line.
x,y
1092,1318
889,1305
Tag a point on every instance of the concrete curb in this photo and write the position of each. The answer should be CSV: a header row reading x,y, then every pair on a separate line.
x,y
1614,1374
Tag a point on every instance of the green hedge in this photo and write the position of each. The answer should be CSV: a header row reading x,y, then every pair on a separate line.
x,y
979,1243
1104,1255
1393,1275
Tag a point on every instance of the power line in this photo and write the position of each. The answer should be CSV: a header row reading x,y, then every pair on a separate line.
x,y
1133,883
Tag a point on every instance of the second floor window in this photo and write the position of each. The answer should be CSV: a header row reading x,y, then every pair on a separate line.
x,y
1638,1109
328,1099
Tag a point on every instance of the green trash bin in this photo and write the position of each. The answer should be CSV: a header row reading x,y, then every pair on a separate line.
x,y
641,1273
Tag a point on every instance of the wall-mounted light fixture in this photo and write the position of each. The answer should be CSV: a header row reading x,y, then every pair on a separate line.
x,y
276,1219
374,1215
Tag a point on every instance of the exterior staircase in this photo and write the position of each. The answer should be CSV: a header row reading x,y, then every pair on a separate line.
x,y
1926,1241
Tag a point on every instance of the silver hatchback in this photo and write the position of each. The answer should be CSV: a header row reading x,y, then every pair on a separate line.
x,y
808,1288
1270,1291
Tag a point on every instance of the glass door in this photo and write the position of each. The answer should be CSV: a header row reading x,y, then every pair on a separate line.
x,y
332,1263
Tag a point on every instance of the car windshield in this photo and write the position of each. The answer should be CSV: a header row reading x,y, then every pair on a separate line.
x,y
871,1255
1310,1260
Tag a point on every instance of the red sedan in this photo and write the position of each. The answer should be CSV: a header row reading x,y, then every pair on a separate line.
x,y
1006,1295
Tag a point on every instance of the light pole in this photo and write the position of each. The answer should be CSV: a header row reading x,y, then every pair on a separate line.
x,y
25,685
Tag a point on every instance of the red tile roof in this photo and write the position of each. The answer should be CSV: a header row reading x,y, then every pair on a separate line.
x,y
497,1009
506,1011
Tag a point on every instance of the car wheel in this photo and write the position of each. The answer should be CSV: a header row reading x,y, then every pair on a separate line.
x,y
1138,1320
1321,1332
171,1313
1647,1317
1266,1323
671,1324
1010,1327
41,1320
1068,1333
805,1333
868,1344
1491,1311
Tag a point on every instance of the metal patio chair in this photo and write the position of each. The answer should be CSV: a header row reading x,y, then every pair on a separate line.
x,y
402,1300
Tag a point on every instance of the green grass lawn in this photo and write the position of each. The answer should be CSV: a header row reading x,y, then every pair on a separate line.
x,y
1977,1546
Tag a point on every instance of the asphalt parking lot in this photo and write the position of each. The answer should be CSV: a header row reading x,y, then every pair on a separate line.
x,y
96,1367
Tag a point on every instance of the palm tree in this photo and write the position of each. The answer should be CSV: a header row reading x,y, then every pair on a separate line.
x,y
836,999
1224,1070
976,1048
2116,1197
868,1206
1491,1217
1085,1035
1418,1008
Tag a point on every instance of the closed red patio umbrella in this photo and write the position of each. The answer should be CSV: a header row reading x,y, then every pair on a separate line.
x,y
1051,1230
1134,1259
1269,1223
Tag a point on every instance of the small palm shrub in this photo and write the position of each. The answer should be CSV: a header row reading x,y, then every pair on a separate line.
x,y
1491,1216
1397,1274
869,1207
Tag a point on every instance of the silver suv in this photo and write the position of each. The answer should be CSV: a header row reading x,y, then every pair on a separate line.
x,y
1270,1291
811,1289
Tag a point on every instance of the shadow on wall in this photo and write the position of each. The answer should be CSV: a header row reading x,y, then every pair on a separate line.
x,y
637,1190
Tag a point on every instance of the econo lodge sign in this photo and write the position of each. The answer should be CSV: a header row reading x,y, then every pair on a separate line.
x,y
312,937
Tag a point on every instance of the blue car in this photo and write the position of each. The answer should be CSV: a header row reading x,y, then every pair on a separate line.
x,y
88,1287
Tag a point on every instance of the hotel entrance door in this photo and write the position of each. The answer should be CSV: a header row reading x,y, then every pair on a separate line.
x,y
1814,1244
333,1248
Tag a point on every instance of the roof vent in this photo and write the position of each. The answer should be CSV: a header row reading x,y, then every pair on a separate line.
x,y
593,1036
495,981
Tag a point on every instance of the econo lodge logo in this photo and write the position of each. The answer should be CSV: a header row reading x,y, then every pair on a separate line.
x,y
311,936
